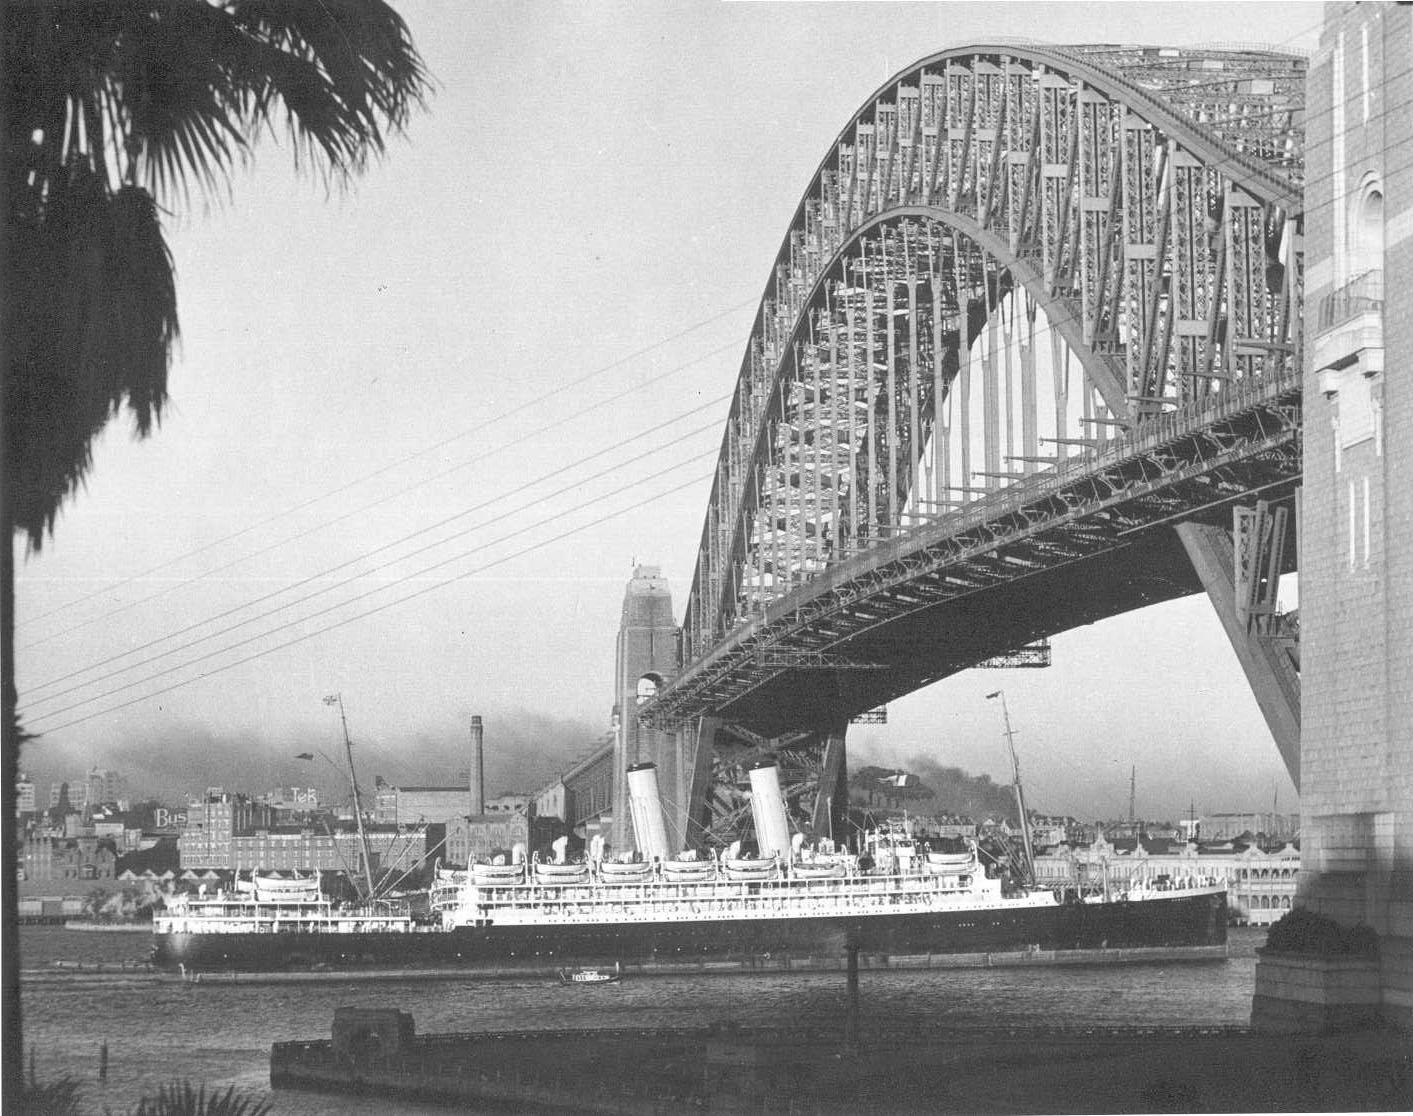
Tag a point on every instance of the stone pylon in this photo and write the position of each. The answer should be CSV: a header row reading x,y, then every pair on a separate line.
x,y
1346,954
649,654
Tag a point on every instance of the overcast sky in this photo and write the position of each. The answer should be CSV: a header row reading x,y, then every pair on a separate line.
x,y
565,253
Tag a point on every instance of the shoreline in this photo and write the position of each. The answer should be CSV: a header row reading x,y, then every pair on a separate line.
x,y
1145,955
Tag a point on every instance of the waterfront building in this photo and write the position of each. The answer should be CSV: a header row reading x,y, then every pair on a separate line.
x,y
588,789
44,860
291,848
1261,883
1275,827
551,800
213,820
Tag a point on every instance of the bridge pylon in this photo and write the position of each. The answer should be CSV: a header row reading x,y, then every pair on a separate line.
x,y
648,658
1344,956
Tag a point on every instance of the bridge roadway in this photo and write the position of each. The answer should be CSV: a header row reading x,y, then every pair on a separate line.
x,y
1065,547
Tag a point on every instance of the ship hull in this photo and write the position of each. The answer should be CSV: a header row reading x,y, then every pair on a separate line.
x,y
1168,921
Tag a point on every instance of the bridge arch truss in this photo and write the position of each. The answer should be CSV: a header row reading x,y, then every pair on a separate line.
x,y
1009,248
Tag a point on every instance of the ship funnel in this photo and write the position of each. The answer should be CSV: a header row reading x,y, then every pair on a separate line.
x,y
768,810
478,769
649,830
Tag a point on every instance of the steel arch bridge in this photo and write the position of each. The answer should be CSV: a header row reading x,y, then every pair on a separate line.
x,y
1029,352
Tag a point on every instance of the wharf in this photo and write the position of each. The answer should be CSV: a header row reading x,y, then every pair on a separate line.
x,y
728,1070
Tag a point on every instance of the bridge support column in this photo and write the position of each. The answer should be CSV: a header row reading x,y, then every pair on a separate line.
x,y
830,817
1268,668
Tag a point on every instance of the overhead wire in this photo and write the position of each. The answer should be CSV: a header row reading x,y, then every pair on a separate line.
x,y
578,483
41,727
528,404
566,420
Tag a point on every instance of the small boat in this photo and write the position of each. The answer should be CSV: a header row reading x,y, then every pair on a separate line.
x,y
818,870
493,875
591,976
688,871
944,864
617,871
766,868
561,873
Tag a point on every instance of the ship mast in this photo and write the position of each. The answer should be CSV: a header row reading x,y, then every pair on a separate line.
x,y
1029,866
337,699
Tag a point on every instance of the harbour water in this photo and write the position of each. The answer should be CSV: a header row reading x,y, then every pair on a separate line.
x,y
159,1031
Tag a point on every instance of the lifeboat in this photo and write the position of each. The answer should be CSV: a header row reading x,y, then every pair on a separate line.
x,y
946,864
274,889
738,869
818,870
497,875
688,871
561,873
616,871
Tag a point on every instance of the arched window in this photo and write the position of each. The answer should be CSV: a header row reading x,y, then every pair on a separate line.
x,y
1366,230
648,686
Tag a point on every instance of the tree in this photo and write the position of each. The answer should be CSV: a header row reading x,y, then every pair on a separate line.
x,y
107,110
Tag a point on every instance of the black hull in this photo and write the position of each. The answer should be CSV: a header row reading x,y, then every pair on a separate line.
x,y
1174,921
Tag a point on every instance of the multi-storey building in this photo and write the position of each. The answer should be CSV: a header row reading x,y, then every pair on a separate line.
x,y
103,785
213,820
291,848
24,795
46,859
77,795
421,805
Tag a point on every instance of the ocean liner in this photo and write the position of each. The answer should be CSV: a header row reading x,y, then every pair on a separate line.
x,y
892,895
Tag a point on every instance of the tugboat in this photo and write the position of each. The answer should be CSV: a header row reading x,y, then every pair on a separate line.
x,y
587,977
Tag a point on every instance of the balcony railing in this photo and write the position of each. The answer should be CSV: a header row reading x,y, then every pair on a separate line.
x,y
1362,294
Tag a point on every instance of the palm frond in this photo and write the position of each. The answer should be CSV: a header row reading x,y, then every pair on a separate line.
x,y
179,1098
110,107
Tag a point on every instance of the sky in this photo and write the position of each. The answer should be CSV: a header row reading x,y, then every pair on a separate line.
x,y
422,428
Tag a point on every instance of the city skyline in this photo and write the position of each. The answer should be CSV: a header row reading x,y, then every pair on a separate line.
x,y
571,209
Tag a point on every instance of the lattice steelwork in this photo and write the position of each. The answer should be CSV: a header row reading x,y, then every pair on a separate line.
x,y
1134,212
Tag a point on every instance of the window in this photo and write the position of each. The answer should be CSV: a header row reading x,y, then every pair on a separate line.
x,y
1366,229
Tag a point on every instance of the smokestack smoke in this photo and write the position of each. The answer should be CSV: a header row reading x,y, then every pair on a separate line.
x,y
478,769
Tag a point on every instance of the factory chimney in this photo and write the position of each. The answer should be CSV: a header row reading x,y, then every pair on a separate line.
x,y
478,769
